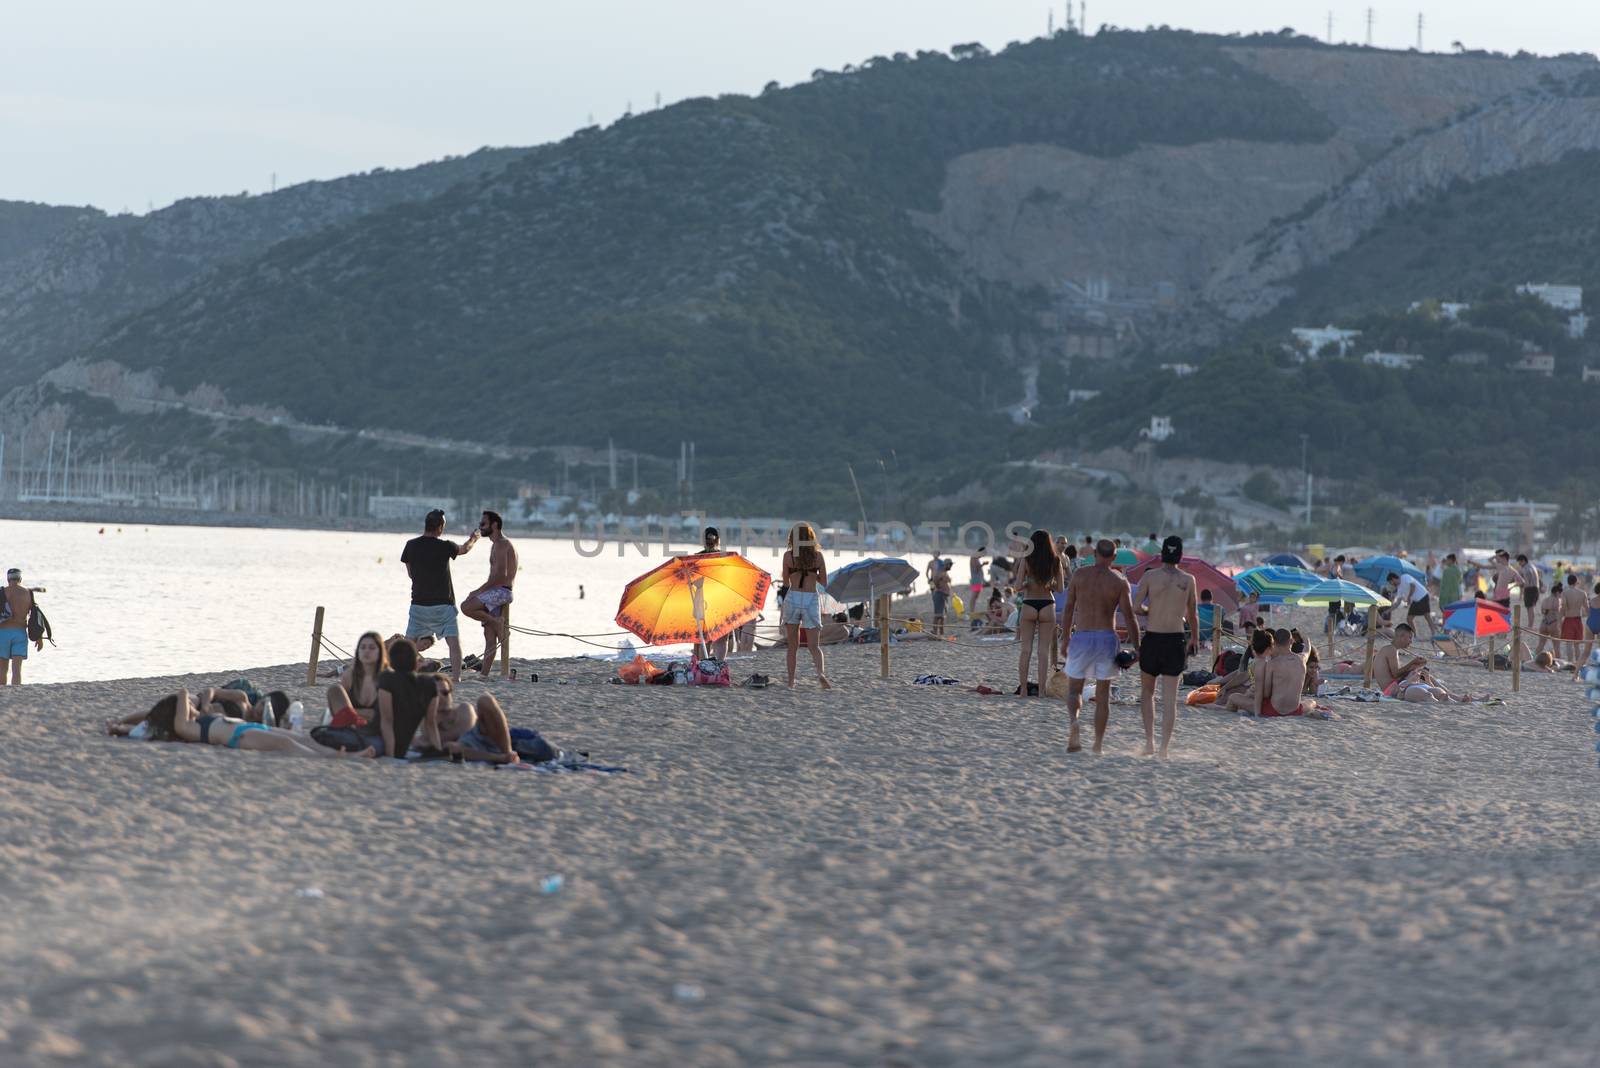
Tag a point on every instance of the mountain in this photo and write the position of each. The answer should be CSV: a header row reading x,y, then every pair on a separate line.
x,y
25,227
881,264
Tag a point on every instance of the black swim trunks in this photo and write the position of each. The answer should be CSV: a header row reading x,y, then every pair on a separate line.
x,y
1164,654
1420,608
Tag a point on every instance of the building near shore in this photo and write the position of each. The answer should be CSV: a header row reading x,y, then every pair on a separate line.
x,y
387,507
1518,524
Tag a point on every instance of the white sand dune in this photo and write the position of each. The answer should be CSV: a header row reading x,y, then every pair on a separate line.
x,y
886,875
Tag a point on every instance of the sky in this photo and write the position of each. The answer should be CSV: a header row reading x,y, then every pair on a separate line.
x,y
131,105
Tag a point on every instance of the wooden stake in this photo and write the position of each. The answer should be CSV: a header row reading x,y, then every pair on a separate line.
x,y
883,637
505,643
1372,640
1216,632
316,647
1516,648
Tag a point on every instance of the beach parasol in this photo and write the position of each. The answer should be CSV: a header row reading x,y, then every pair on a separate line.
x,y
1274,585
1478,618
1206,577
868,579
1337,591
1375,569
1127,558
1288,560
694,598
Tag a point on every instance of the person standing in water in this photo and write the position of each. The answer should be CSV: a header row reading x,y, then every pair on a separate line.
x,y
1094,597
487,603
1166,598
14,614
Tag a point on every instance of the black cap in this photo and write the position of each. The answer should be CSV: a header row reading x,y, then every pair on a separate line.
x,y
1172,549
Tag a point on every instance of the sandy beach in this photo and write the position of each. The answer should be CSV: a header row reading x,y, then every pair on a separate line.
x,y
889,875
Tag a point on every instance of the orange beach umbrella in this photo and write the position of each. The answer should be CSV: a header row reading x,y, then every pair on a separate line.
x,y
688,598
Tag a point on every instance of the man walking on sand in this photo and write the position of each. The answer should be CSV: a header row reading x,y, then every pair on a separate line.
x,y
14,613
487,603
1166,598
1094,596
433,598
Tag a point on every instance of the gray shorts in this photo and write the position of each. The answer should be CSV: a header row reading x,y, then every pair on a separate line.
x,y
432,621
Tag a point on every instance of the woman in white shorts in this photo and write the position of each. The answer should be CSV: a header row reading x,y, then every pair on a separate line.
x,y
804,573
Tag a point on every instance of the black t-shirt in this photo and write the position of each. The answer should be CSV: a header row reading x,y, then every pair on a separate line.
x,y
427,561
410,695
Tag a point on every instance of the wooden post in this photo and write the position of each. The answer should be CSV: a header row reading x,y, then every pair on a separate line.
x,y
883,637
1516,648
316,647
1333,625
1372,640
505,643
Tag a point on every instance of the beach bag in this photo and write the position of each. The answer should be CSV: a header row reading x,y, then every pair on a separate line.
x,y
1205,695
1197,678
1057,686
1227,662
958,604
39,626
347,738
709,672
530,745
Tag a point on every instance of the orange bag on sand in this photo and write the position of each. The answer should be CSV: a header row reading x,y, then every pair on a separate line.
x,y
637,670
1205,695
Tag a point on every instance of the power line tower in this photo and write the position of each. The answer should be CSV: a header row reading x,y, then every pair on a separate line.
x,y
1372,16
1330,27
1419,31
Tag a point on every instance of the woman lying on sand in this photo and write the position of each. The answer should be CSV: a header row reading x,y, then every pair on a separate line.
x,y
271,709
181,717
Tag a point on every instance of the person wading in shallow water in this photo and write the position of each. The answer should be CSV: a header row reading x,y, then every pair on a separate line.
x,y
1094,596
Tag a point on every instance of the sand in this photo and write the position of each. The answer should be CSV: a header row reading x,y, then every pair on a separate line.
x,y
889,875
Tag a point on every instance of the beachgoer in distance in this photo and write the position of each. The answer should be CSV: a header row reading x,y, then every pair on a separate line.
x,y
1573,606
1450,581
1039,574
180,718
997,614
1166,598
939,583
14,613
711,542
406,701
804,573
975,575
487,603
357,688
1549,622
1415,595
1280,680
1151,546
1094,597
1504,577
1527,577
1236,690
1408,679
433,596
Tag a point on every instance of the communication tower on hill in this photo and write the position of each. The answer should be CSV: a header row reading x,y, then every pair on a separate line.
x,y
1372,16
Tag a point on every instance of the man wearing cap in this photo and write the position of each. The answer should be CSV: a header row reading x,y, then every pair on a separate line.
x,y
433,596
14,614
1166,598
1094,596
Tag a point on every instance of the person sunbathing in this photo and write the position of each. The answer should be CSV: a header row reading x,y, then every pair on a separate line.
x,y
271,709
1409,680
489,738
356,691
181,717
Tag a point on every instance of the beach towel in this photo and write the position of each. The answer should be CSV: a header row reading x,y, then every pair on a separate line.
x,y
935,680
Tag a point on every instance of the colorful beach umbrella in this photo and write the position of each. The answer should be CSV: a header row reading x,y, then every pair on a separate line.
x,y
1274,585
870,578
1479,620
1376,569
1288,560
707,595
1477,602
1127,558
1206,577
1337,591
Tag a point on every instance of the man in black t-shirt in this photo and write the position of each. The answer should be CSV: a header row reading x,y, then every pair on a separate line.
x,y
433,596
405,703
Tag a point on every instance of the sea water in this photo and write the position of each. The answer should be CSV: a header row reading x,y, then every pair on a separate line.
x,y
132,600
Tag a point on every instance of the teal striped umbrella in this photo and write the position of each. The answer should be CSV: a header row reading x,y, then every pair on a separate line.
x,y
1336,591
1275,585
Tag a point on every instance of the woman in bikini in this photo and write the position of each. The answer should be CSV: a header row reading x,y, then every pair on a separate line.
x,y
1039,576
804,573
182,717
356,692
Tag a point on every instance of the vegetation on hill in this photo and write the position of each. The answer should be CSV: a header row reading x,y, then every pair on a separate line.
x,y
25,227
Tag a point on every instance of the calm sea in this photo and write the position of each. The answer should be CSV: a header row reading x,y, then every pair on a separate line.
x,y
133,600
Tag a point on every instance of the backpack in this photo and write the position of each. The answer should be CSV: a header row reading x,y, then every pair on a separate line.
x,y
39,626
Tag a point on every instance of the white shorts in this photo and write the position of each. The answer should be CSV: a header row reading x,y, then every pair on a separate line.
x,y
1092,654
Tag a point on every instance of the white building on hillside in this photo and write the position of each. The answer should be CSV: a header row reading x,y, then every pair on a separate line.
x,y
1400,361
1578,326
1591,374
1513,525
1564,298
1182,370
1538,363
1160,428
1313,339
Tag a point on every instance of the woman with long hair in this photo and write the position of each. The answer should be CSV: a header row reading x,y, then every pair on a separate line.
x,y
357,688
180,717
804,573
1040,576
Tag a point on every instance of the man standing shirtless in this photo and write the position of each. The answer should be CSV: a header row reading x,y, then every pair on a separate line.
x,y
486,604
1166,598
17,608
1094,596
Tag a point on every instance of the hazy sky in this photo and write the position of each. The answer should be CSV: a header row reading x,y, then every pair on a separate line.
x,y
128,103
